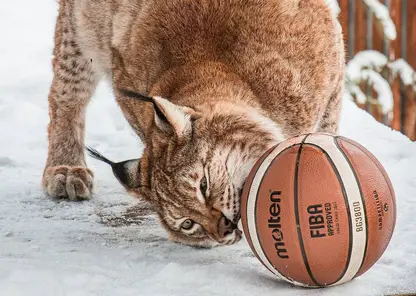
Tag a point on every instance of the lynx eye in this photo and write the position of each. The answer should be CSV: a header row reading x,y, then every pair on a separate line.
x,y
187,224
204,186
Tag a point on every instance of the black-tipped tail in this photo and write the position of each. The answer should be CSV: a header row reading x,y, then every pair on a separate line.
x,y
97,155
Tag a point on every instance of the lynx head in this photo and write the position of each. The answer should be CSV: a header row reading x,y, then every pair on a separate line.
x,y
193,169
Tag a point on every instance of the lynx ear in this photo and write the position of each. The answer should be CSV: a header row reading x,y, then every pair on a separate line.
x,y
174,117
168,116
127,172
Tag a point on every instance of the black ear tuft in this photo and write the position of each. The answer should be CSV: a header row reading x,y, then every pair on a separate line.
x,y
135,95
140,97
97,155
127,172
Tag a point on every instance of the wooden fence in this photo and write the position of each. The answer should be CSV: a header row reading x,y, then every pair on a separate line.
x,y
361,32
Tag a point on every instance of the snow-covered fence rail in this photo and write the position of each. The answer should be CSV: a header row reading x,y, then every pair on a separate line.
x,y
382,83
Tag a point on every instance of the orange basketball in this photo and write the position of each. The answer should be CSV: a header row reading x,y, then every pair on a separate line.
x,y
318,210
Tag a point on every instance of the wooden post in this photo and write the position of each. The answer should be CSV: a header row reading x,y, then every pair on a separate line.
x,y
360,26
409,126
343,19
377,44
394,53
409,123
360,34
411,33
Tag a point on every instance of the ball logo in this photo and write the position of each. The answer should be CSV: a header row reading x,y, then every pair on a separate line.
x,y
275,225
381,209
316,221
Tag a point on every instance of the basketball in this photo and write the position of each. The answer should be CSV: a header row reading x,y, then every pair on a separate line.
x,y
318,210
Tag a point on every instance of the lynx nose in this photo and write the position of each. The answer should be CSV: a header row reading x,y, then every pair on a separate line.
x,y
225,227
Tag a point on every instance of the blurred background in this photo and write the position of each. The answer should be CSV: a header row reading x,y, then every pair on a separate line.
x,y
380,37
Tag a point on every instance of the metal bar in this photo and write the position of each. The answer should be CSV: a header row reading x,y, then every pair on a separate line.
x,y
404,29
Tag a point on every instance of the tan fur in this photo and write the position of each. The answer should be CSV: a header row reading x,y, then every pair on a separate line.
x,y
231,78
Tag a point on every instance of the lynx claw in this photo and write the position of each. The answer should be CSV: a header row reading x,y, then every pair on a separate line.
x,y
65,182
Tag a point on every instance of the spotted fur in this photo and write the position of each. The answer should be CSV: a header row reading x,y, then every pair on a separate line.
x,y
224,80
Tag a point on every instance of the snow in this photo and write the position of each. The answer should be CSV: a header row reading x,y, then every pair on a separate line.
x,y
382,13
334,5
63,248
406,72
382,88
354,90
364,67
365,59
379,10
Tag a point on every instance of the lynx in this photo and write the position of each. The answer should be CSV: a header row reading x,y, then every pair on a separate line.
x,y
208,85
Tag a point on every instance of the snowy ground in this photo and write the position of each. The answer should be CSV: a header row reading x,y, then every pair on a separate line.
x,y
60,248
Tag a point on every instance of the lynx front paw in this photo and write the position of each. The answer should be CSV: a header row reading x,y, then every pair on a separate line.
x,y
74,183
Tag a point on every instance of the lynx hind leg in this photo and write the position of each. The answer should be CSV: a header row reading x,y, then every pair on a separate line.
x,y
74,82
